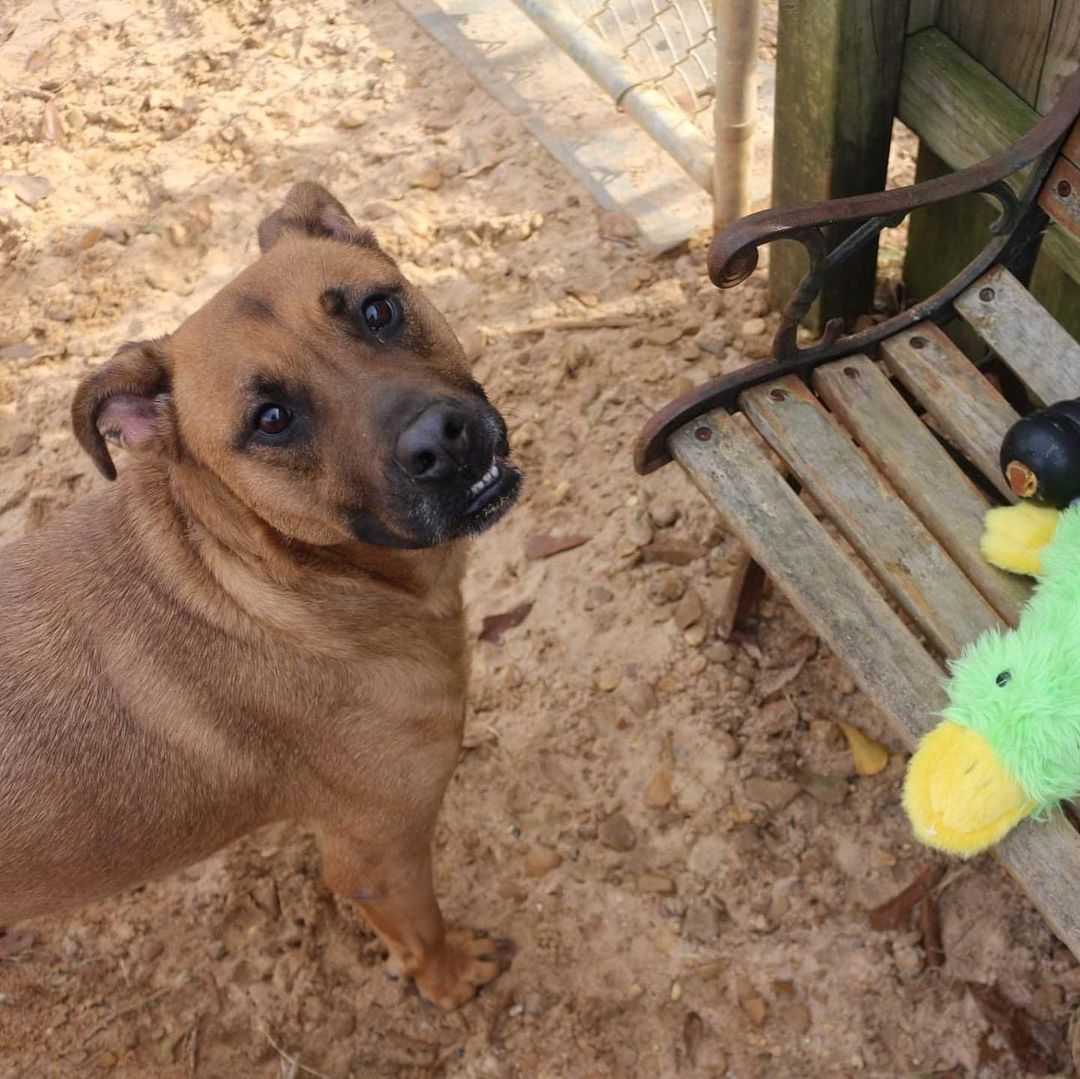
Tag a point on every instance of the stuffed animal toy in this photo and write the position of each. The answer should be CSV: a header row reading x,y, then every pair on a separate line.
x,y
1009,743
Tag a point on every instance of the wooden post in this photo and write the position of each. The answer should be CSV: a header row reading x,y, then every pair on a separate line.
x,y
837,79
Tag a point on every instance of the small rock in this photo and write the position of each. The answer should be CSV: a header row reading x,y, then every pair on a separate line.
x,y
676,992
830,790
641,698
352,118
795,1016
666,588
695,636
702,923
525,435
265,897
664,512
689,610
217,949
709,856
27,188
107,1060
656,884
429,179
613,225
774,794
664,335
535,1004
540,862
755,1009
607,679
908,959
639,529
7,1000
753,327
561,492
59,314
617,833
342,1024
150,949
726,745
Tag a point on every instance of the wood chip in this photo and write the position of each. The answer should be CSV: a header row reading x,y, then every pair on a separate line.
x,y
495,625
544,546
672,552
658,793
15,942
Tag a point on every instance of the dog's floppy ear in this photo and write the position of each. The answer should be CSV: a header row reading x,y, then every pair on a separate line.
x,y
126,400
310,209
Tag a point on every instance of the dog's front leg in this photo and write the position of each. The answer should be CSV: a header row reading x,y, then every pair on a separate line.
x,y
392,884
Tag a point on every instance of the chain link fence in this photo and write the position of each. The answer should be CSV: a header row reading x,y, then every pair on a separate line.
x,y
684,69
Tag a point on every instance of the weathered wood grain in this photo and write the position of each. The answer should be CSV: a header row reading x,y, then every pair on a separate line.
x,y
1023,334
964,115
822,582
1007,43
921,14
884,658
922,473
837,77
1062,54
969,411
883,530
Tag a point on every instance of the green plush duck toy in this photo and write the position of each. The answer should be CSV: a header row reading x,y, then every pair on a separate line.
x,y
1009,743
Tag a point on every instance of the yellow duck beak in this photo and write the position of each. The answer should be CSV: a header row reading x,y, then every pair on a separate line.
x,y
959,797
1014,536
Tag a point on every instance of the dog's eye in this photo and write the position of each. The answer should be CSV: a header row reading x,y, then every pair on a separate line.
x,y
381,313
273,420
1003,679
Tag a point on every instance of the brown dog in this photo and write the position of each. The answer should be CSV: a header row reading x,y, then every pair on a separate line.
x,y
262,619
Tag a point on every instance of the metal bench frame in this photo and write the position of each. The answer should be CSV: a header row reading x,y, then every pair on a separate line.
x,y
899,484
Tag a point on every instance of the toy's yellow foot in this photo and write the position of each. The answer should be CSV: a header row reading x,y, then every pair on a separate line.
x,y
959,797
1014,536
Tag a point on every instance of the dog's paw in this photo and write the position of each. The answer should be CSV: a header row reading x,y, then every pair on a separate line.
x,y
464,964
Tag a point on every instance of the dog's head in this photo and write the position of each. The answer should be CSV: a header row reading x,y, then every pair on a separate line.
x,y
321,388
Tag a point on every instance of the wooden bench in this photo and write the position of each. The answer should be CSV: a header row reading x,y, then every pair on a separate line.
x,y
895,434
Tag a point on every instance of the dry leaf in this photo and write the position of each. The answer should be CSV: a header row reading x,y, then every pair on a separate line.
x,y
544,546
692,1032
495,625
1036,1045
895,914
671,552
659,791
870,757
51,129
930,927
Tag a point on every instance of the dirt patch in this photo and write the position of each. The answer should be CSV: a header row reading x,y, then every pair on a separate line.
x,y
670,828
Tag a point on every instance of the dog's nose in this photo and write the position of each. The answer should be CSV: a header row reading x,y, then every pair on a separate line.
x,y
435,445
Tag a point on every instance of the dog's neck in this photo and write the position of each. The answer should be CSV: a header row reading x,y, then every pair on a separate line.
x,y
281,582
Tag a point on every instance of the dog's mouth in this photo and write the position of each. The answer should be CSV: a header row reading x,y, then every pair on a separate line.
x,y
492,486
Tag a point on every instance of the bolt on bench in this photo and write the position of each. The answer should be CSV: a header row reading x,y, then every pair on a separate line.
x,y
896,471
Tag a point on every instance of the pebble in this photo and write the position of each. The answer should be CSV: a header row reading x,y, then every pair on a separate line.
x,y
107,1060
664,335
755,1009
641,697
795,1016
771,793
639,529
753,327
617,833
666,588
525,435
149,950
428,179
7,1000
676,992
351,119
702,923
342,1024
726,746
561,492
540,862
265,896
664,512
709,856
908,960
607,679
695,636
535,1003
656,884
689,610
217,949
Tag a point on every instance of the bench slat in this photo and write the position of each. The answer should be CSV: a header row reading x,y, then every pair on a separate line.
x,y
970,412
881,528
831,593
823,583
1023,334
916,464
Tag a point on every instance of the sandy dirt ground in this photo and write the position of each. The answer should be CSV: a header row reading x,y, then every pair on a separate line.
x,y
669,827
